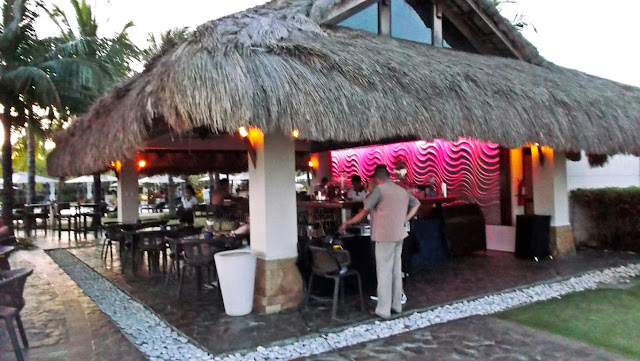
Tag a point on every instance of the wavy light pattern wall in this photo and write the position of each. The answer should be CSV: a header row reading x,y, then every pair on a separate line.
x,y
470,168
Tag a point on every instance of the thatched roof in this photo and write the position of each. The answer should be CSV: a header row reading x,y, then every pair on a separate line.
x,y
276,68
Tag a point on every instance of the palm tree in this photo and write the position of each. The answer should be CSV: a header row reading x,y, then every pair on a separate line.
x,y
21,82
116,53
34,74
156,46
167,39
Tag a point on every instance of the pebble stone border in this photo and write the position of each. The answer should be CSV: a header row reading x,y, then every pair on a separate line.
x,y
159,341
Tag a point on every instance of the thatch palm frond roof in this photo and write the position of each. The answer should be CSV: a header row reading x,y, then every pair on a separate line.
x,y
275,67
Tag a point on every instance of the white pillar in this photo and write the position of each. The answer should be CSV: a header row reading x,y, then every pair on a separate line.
x,y
550,197
272,207
128,192
272,197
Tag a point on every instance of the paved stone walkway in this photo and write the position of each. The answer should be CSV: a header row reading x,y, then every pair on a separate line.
x,y
476,338
64,324
202,317
61,322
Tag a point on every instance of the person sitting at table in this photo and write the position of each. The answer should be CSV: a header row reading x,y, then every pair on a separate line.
x,y
322,186
220,193
244,228
358,192
4,230
189,202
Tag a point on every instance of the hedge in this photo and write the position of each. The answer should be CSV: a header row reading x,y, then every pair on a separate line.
x,y
613,215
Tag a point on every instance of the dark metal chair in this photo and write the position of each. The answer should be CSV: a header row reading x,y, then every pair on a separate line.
x,y
112,233
68,218
11,303
333,264
5,251
176,255
198,255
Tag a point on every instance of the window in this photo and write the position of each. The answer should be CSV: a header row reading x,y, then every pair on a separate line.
x,y
406,23
366,20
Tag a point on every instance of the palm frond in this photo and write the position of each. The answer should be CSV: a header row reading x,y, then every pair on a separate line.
x,y
34,84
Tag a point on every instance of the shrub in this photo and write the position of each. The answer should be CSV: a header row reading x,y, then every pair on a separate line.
x,y
612,214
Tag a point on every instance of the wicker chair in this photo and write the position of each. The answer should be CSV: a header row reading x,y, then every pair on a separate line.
x,y
69,218
198,255
11,303
333,264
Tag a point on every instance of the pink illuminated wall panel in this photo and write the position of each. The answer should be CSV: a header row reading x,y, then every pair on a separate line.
x,y
470,168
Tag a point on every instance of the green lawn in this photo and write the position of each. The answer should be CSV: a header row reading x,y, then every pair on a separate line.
x,y
606,318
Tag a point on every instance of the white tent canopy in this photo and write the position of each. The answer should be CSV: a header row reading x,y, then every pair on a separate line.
x,y
232,177
22,178
245,176
89,179
159,179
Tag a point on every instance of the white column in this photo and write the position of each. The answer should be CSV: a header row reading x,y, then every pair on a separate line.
x,y
128,192
272,197
550,196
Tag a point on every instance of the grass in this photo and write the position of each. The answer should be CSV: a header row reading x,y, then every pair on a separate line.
x,y
606,318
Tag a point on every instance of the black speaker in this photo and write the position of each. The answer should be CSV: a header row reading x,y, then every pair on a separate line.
x,y
532,236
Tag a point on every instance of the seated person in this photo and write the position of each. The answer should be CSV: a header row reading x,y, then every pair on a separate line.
x,y
189,202
244,228
322,186
4,230
358,191
220,193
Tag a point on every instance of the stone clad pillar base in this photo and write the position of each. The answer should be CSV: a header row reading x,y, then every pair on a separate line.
x,y
278,285
561,242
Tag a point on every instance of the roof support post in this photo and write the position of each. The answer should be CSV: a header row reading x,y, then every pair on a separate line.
x,y
550,197
128,192
436,32
384,17
273,211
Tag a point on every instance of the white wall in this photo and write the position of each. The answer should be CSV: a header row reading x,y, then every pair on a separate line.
x,y
620,171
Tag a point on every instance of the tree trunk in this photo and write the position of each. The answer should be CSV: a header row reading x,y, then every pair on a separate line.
x,y
7,171
97,199
171,196
212,186
31,160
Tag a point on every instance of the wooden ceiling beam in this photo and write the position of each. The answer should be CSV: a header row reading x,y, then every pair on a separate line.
x,y
346,9
464,29
494,28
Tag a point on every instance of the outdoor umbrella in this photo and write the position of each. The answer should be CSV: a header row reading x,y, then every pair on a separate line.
x,y
22,178
235,177
158,179
89,179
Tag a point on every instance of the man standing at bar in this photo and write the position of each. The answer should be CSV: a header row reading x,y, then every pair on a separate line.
x,y
390,206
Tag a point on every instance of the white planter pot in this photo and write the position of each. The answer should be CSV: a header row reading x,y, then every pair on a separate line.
x,y
237,274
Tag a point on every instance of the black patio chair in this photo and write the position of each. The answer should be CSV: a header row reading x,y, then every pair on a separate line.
x,y
333,264
69,218
112,233
176,254
153,243
11,303
198,255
